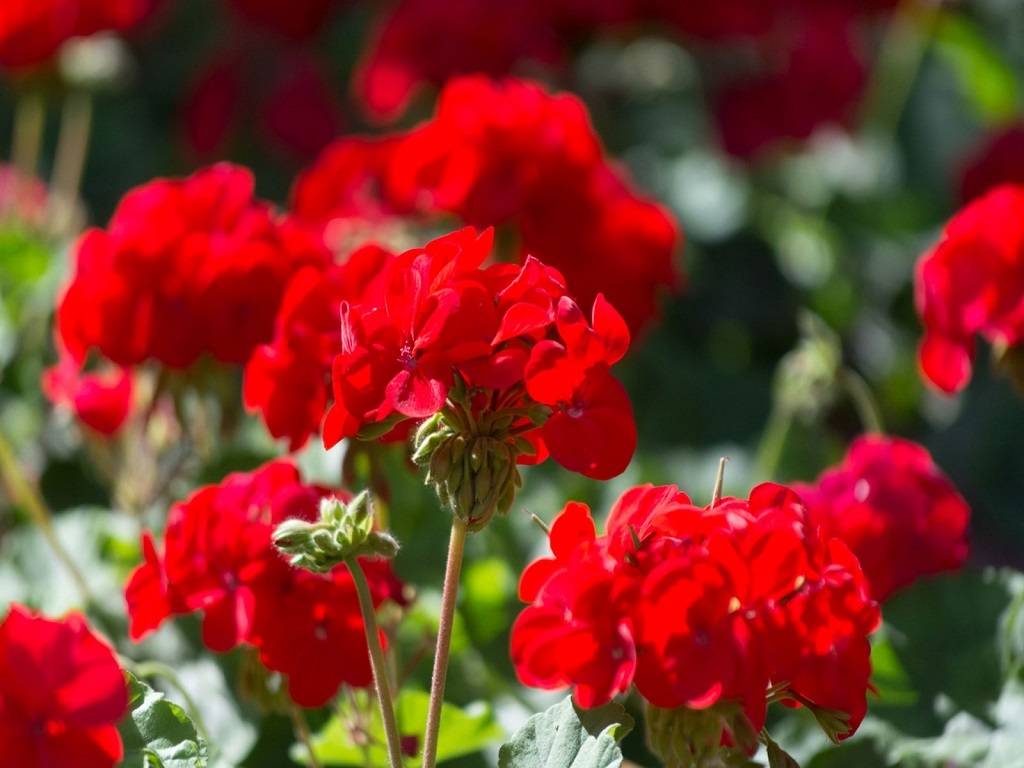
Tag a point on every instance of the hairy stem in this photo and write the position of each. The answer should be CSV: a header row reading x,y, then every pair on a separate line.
x,y
377,663
444,639
773,442
24,493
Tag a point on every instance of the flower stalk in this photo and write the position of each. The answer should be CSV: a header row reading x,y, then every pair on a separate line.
x,y
453,571
378,663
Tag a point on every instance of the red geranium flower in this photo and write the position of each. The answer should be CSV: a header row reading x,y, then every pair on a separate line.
x,y
698,605
218,559
890,504
61,694
972,283
999,160
185,268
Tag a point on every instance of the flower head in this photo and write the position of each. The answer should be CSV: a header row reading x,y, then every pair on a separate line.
x,y
62,693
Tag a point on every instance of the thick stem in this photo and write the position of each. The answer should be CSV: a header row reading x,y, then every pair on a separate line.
x,y
444,639
21,491
29,118
301,728
72,145
378,663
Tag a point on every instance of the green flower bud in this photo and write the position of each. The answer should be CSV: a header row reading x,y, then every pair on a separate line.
x,y
343,531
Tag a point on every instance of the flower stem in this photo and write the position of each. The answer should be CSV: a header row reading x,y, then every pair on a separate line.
x,y
716,495
72,146
378,663
21,491
29,118
863,401
444,639
773,442
301,728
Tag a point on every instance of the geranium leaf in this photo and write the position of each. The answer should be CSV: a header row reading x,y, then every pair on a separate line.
x,y
157,733
559,738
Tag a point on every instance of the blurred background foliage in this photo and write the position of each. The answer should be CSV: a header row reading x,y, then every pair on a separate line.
x,y
832,227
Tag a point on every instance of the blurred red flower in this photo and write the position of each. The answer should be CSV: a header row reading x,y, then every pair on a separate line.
x,y
31,31
101,400
972,283
509,154
895,509
186,268
61,693
999,160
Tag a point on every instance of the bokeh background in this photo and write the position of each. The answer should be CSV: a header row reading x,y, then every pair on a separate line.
x,y
809,237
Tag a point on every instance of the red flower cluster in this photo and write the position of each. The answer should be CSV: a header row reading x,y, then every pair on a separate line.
x,y
895,509
218,558
698,605
809,69
971,283
509,153
61,694
186,268
31,31
999,160
410,322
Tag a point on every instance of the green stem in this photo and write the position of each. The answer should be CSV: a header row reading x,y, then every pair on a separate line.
x,y
29,119
902,54
716,494
378,663
301,728
453,570
863,401
24,493
773,442
72,146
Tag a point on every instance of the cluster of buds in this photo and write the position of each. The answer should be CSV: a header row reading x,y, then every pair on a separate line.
x,y
692,738
472,463
343,532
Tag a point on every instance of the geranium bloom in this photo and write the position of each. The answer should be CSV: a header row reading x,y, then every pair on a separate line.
x,y
897,511
186,268
218,559
696,606
972,283
101,400
509,154
511,332
62,694
31,31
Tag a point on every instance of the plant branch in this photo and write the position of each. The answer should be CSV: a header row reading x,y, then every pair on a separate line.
x,y
24,493
301,728
29,119
378,663
453,570
863,401
69,163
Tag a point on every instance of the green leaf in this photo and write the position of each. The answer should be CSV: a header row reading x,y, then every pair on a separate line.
x,y
986,77
463,732
157,733
559,738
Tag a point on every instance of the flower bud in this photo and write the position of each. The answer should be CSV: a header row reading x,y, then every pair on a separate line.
x,y
692,738
343,531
